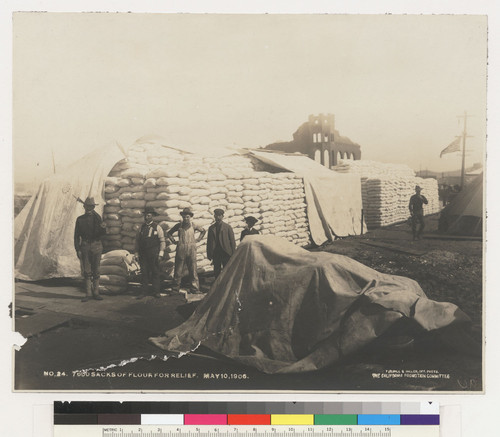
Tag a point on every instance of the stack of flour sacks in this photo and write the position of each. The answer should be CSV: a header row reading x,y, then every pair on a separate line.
x,y
116,267
386,191
170,180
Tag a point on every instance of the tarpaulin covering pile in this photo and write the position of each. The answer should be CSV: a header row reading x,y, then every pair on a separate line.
x,y
282,309
333,199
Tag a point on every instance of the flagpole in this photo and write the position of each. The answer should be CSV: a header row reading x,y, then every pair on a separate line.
x,y
53,161
462,179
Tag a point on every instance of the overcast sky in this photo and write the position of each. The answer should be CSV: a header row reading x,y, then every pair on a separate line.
x,y
396,84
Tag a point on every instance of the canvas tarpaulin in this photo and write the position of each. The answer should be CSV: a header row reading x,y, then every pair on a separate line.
x,y
44,230
282,309
193,149
333,199
464,215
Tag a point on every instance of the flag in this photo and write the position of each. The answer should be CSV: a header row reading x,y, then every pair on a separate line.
x,y
454,146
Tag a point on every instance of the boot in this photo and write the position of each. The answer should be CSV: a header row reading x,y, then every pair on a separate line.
x,y
156,287
88,290
95,289
144,292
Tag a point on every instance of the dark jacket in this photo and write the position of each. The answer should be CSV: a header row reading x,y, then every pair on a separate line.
x,y
226,239
246,232
88,228
416,204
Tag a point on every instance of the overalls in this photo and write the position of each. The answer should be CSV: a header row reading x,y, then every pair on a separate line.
x,y
185,257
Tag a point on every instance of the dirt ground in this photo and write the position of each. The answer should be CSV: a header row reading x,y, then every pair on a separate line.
x,y
449,269
96,335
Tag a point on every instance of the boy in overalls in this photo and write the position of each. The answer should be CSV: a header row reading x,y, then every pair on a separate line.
x,y
185,255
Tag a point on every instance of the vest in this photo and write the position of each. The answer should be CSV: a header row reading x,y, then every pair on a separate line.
x,y
148,237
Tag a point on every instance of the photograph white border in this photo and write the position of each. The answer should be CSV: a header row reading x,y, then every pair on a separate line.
x,y
19,408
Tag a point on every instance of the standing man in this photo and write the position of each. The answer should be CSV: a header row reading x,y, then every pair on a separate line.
x,y
149,249
220,243
185,255
89,229
417,212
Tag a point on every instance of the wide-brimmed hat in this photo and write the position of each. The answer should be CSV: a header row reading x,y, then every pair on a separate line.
x,y
218,211
150,210
251,220
89,201
418,187
187,211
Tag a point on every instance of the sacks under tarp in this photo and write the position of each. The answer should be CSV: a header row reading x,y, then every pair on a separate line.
x,y
282,309
464,215
333,199
44,229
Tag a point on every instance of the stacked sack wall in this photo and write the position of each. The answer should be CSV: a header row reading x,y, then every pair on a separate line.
x,y
386,191
169,180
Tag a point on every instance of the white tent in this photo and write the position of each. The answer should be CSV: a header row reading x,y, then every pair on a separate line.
x,y
464,215
44,229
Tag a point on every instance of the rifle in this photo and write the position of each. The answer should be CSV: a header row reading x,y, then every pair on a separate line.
x,y
79,200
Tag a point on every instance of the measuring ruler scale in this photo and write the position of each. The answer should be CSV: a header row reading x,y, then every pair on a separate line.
x,y
247,431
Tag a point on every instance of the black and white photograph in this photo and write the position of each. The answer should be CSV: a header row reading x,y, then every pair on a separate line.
x,y
249,202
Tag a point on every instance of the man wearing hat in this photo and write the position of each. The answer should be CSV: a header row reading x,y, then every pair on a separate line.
x,y
89,229
417,212
185,254
149,249
249,230
220,242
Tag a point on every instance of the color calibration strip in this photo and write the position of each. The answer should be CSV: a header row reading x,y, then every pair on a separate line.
x,y
247,419
221,413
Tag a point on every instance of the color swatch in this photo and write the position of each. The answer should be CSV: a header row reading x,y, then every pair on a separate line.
x,y
252,413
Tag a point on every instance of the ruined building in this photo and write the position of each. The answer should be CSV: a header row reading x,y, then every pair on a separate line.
x,y
318,139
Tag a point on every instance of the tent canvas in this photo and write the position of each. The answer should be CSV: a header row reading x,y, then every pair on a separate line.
x,y
334,203
44,229
464,215
282,309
